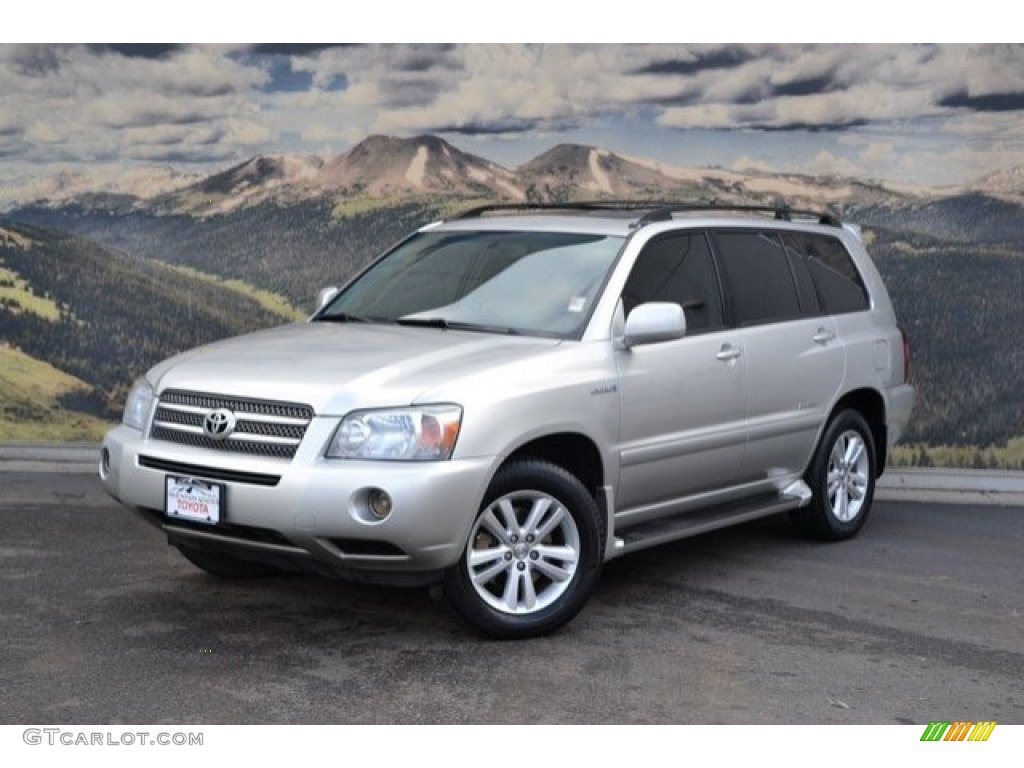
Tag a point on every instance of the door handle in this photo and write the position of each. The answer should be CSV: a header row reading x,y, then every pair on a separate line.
x,y
823,336
728,352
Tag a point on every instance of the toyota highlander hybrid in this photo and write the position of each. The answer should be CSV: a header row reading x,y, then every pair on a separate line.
x,y
508,399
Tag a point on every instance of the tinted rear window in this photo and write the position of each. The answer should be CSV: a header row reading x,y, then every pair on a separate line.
x,y
838,283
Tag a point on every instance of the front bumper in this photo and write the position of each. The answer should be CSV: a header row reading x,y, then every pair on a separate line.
x,y
310,511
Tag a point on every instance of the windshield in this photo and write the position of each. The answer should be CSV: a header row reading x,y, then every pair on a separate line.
x,y
536,283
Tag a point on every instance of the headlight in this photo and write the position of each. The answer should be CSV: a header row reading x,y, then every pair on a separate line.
x,y
424,433
136,407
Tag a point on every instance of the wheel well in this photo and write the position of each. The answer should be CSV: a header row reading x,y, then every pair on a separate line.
x,y
574,453
871,406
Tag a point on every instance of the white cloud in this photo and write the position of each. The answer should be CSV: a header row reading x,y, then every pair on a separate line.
x,y
879,154
206,104
824,163
746,163
84,104
319,134
248,132
960,164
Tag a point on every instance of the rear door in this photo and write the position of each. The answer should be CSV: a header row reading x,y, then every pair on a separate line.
x,y
795,361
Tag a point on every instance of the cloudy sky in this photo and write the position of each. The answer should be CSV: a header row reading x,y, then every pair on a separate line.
x,y
915,114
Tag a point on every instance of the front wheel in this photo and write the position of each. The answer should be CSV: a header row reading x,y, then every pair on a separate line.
x,y
533,554
842,478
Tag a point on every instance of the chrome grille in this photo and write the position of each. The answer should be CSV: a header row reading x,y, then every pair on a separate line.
x,y
262,427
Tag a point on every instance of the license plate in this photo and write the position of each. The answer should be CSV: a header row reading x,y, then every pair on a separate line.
x,y
195,500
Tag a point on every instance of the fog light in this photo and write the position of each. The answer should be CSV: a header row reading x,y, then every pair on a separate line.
x,y
380,504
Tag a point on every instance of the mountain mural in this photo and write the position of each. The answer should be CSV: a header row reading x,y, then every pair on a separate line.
x,y
278,228
386,167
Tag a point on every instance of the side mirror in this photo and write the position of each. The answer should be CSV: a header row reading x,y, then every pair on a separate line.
x,y
653,322
324,297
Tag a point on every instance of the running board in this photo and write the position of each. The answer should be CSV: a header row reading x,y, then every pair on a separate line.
x,y
694,523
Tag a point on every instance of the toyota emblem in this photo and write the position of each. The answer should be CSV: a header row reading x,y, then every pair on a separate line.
x,y
218,424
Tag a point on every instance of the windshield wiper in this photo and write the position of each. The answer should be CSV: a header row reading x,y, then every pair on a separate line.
x,y
456,325
425,322
343,317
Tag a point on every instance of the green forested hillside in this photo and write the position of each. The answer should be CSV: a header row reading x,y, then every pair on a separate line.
x,y
961,306
293,250
30,401
955,269
973,218
115,315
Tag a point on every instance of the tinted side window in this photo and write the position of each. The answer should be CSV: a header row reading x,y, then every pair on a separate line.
x,y
835,277
757,274
678,268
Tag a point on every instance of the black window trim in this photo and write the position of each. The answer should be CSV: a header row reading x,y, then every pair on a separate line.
x,y
820,312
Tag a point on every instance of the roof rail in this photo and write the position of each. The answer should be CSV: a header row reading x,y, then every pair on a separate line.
x,y
655,210
581,205
779,212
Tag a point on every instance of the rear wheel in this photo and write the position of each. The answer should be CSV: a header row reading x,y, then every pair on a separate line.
x,y
842,478
533,555
225,566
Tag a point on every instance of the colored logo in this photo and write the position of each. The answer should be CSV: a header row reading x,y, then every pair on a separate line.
x,y
958,730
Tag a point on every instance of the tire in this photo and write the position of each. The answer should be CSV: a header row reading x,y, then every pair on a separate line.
x,y
225,566
842,478
533,556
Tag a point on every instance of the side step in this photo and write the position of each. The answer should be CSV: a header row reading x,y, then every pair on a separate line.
x,y
696,522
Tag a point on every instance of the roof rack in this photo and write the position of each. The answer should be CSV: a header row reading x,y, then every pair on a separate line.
x,y
582,205
779,212
655,210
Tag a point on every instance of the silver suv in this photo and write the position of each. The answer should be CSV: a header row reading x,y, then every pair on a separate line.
x,y
508,399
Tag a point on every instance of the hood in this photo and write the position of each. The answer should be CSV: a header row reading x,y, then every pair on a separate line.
x,y
336,367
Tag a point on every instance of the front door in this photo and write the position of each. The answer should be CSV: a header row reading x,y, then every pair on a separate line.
x,y
683,425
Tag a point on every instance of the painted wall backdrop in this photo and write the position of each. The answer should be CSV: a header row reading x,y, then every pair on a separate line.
x,y
154,197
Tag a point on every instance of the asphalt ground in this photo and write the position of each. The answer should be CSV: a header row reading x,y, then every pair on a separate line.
x,y
919,618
